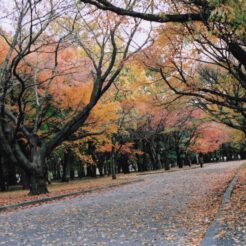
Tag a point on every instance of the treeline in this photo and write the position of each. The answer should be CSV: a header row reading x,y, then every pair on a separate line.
x,y
65,164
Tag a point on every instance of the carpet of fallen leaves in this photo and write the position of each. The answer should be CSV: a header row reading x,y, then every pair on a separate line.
x,y
58,188
233,215
165,209
204,206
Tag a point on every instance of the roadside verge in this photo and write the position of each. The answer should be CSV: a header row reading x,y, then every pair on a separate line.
x,y
218,228
72,194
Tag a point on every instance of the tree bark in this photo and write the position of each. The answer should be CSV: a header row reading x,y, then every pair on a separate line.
x,y
66,168
124,163
113,171
38,185
38,176
113,167
178,156
2,178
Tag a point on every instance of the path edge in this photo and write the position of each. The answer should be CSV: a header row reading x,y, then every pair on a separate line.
x,y
59,197
210,235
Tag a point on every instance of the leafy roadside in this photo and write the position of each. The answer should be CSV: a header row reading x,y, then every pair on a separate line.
x,y
202,210
233,215
56,189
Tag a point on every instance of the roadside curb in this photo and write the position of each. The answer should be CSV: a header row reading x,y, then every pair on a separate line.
x,y
167,171
59,197
210,238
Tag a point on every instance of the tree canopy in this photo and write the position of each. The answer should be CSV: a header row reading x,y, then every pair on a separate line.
x,y
90,82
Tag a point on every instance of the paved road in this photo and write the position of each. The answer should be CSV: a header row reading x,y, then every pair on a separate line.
x,y
145,213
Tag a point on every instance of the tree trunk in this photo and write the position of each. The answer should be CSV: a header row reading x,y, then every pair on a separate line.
x,y
100,165
147,162
2,178
158,158
187,160
38,185
92,171
81,172
243,154
166,166
66,168
178,155
139,162
153,155
25,180
166,163
201,160
124,164
113,167
11,179
38,176
113,171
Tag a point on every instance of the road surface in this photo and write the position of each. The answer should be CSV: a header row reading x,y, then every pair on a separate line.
x,y
164,209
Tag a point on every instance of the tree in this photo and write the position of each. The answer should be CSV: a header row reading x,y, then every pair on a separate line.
x,y
25,95
217,31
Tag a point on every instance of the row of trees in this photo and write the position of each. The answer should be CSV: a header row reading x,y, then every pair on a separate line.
x,y
36,69
58,58
151,145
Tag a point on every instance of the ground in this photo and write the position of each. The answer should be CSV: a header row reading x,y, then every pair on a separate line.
x,y
232,216
172,208
59,188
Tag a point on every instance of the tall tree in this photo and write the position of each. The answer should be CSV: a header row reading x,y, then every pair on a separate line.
x,y
25,89
217,31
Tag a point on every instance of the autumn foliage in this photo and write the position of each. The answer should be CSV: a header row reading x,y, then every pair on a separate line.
x,y
80,93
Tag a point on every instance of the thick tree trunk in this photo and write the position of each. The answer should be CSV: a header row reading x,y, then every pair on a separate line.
x,y
38,176
38,184
2,178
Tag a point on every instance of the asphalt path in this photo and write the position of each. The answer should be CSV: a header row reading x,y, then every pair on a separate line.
x,y
144,213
